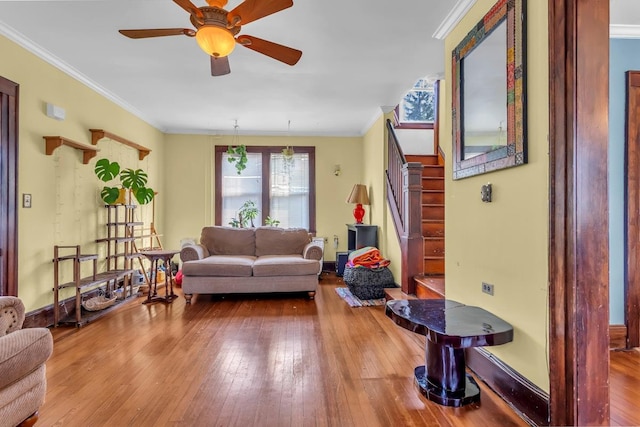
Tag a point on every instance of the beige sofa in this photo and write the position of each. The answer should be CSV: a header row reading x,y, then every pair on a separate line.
x,y
23,353
250,260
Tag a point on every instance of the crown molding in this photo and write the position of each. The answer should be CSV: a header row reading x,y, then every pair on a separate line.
x,y
617,31
28,44
451,20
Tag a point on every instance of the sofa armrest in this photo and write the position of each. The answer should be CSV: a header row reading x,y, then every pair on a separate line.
x,y
11,314
312,251
22,352
193,253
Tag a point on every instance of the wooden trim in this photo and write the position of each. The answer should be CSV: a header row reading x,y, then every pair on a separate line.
x,y
98,134
578,212
524,397
617,336
53,142
9,134
436,121
632,206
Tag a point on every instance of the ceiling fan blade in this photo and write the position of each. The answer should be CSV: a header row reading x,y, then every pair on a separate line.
x,y
157,32
250,10
276,51
220,66
191,8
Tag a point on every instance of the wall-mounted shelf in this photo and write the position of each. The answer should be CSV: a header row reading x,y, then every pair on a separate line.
x,y
98,134
53,142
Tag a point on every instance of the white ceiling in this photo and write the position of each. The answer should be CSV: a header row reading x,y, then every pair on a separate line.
x,y
358,55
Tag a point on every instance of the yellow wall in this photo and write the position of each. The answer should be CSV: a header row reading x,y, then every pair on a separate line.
x,y
191,190
505,242
374,177
65,193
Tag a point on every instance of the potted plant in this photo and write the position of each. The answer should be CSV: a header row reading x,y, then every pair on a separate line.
x,y
134,180
271,222
246,214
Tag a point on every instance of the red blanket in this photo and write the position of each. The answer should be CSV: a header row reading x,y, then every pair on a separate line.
x,y
367,257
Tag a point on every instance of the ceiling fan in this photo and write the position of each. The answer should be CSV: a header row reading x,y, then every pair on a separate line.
x,y
216,31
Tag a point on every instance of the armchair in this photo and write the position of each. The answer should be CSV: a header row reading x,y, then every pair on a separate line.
x,y
23,353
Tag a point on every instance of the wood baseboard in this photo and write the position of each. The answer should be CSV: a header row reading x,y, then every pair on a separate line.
x,y
617,336
43,317
527,399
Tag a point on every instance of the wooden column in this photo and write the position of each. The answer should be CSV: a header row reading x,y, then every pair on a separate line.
x,y
411,236
578,241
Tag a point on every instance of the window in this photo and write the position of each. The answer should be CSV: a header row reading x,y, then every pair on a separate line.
x,y
282,189
417,110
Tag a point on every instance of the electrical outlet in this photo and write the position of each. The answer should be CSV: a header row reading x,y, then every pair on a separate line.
x,y
487,288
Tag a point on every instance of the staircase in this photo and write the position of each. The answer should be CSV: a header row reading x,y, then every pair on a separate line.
x,y
415,194
430,284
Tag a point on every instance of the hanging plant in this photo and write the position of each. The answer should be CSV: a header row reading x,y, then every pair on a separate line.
x,y
238,155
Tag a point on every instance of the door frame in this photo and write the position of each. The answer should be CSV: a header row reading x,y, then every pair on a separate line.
x,y
9,95
632,206
578,212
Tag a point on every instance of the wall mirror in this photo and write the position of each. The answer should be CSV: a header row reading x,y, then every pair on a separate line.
x,y
489,88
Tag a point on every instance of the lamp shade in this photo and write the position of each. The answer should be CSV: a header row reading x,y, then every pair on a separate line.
x,y
358,195
215,41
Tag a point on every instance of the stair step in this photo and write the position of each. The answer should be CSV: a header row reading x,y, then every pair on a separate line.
x,y
433,265
432,197
432,183
433,228
425,159
396,293
434,246
433,171
433,212
429,287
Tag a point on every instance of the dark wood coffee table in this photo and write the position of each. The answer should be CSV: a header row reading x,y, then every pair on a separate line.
x,y
450,327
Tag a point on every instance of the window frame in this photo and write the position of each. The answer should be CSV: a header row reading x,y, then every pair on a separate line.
x,y
266,152
418,125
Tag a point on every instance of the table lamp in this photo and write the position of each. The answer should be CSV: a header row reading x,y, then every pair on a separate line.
x,y
359,197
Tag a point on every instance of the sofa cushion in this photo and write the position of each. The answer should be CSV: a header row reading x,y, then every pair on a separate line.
x,y
219,265
221,240
280,241
22,351
284,265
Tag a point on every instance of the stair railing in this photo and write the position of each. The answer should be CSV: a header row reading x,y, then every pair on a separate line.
x,y
404,195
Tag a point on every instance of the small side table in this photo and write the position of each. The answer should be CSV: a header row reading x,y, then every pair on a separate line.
x,y
450,327
155,256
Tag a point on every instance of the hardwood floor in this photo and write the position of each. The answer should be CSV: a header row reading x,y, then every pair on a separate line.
x,y
273,360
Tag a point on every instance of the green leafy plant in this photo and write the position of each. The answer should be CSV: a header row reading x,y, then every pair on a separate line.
x,y
272,222
246,214
134,180
238,155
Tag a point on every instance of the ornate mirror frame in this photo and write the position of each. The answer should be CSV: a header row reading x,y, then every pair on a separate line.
x,y
515,152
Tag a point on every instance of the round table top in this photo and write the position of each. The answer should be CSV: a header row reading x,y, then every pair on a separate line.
x,y
159,253
450,323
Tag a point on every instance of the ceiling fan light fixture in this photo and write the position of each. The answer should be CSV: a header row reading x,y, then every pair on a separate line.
x,y
216,41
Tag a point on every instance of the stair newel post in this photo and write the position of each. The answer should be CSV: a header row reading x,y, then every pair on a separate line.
x,y
411,238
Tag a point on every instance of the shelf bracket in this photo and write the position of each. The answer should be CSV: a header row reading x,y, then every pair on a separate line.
x,y
53,142
98,134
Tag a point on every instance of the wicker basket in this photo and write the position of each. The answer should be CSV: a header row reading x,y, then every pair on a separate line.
x,y
368,283
98,303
